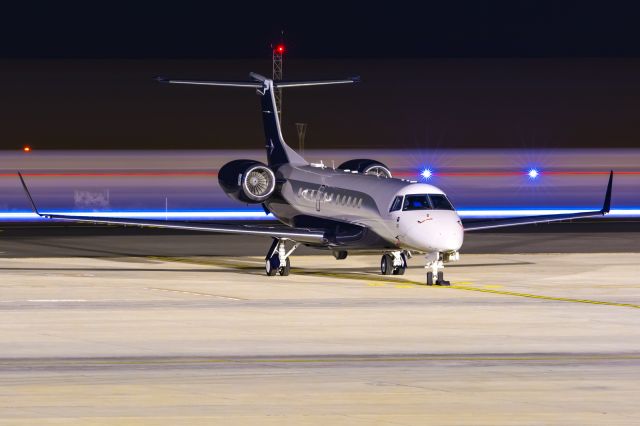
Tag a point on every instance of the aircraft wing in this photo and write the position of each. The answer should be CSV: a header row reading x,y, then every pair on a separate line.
x,y
302,235
477,225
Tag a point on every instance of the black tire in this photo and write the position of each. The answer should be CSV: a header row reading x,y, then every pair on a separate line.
x,y
284,271
399,270
340,255
272,265
441,281
429,278
386,264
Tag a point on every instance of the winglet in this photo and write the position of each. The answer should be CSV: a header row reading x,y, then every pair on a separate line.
x,y
33,204
607,198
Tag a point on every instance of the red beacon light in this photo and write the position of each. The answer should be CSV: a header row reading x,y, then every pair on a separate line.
x,y
280,48
27,148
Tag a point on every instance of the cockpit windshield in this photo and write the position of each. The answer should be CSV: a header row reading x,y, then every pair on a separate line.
x,y
426,202
440,202
416,202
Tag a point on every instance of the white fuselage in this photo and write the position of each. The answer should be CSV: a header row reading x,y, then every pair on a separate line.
x,y
366,200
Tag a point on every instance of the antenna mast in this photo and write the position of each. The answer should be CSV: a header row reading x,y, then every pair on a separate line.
x,y
278,53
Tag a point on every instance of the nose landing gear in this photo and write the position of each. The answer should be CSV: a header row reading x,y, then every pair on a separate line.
x,y
277,259
393,263
435,264
439,280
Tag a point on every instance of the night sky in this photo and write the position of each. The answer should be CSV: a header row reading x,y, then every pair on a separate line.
x,y
530,74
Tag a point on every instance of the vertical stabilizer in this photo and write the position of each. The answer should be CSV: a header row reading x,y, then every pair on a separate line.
x,y
278,152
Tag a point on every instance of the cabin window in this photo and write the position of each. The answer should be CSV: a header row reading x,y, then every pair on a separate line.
x,y
397,204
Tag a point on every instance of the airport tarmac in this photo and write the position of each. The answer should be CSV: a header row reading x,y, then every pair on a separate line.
x,y
520,338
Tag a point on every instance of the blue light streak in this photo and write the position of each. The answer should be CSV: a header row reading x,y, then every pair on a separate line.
x,y
221,215
496,213
157,215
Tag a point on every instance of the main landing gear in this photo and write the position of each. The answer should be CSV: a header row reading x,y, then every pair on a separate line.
x,y
393,263
277,259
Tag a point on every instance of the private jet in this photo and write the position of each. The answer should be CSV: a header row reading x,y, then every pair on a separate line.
x,y
353,208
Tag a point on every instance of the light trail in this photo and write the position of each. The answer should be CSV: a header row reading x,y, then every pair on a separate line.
x,y
396,173
260,215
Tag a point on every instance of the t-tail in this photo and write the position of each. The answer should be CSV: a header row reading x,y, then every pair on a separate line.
x,y
278,152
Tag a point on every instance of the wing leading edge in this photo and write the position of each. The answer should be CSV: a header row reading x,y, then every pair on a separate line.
x,y
303,235
473,225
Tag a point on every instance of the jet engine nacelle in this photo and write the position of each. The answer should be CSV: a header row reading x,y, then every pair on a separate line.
x,y
367,167
248,181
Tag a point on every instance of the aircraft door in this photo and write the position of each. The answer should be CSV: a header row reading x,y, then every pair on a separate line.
x,y
394,211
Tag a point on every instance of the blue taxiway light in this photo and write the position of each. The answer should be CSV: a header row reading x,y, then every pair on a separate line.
x,y
533,173
426,174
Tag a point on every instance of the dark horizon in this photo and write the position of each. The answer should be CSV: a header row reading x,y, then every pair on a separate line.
x,y
409,103
461,74
204,30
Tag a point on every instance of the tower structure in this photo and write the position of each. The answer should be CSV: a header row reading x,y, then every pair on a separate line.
x,y
278,53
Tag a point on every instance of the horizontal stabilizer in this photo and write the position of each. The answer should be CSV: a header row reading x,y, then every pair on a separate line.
x,y
278,152
286,83
257,81
254,84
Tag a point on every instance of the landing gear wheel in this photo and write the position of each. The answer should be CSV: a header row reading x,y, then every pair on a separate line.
x,y
284,271
441,281
399,270
429,278
341,254
272,265
386,264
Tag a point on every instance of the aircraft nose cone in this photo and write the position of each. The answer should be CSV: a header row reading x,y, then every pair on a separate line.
x,y
452,239
438,235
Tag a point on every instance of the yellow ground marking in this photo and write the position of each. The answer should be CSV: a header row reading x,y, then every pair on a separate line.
x,y
382,279
376,284
542,297
491,286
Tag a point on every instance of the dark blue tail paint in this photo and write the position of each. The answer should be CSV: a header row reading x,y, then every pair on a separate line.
x,y
278,152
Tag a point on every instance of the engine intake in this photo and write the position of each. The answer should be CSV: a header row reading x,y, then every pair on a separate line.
x,y
367,167
248,181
